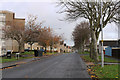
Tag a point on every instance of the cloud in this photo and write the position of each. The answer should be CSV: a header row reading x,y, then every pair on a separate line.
x,y
110,32
47,11
28,0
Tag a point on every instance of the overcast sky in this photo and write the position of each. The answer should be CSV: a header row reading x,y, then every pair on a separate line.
x,y
46,10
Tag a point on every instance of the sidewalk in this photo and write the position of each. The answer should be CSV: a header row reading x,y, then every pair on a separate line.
x,y
108,63
14,63
23,61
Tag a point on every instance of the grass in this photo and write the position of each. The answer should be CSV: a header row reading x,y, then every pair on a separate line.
x,y
108,71
86,52
106,59
87,58
13,58
4,60
28,53
103,73
48,53
66,52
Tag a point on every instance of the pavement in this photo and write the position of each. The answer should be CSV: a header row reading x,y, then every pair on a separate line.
x,y
68,65
106,63
22,61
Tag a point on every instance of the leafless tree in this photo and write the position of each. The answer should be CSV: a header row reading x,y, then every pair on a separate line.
x,y
32,30
15,30
81,35
91,11
48,38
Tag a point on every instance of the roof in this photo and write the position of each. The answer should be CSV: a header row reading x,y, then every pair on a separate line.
x,y
19,18
5,11
109,40
110,43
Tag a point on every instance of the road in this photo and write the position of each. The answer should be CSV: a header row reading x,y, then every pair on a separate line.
x,y
68,65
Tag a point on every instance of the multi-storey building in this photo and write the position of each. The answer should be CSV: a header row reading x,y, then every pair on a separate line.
x,y
7,17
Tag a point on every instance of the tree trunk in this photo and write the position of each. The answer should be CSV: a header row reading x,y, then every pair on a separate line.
x,y
30,46
45,49
81,48
51,49
95,52
91,46
91,50
19,48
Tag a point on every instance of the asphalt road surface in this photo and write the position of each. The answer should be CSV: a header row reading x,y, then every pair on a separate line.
x,y
68,65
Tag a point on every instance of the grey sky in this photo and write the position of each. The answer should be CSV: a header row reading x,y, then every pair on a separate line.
x,y
46,11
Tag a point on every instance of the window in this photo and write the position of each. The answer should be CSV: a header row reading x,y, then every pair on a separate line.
x,y
2,17
2,24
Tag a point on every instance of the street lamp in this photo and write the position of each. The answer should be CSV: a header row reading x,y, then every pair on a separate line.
x,y
102,54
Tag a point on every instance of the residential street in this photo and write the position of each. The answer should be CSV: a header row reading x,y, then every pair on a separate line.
x,y
68,65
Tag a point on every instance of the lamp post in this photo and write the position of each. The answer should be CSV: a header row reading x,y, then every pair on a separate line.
x,y
102,54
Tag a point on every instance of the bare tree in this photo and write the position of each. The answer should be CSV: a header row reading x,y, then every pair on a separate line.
x,y
32,30
15,30
91,11
44,37
55,39
81,35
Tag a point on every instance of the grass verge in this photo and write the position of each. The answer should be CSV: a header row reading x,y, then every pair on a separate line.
x,y
86,52
86,58
106,72
13,58
48,53
28,53
106,59
4,60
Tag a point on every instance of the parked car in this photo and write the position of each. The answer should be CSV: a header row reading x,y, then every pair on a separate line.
x,y
26,50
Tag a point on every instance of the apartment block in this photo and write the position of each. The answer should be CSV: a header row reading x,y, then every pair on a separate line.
x,y
7,17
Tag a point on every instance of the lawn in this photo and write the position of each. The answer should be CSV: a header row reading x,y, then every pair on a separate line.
x,y
13,58
28,53
4,60
48,53
108,71
86,52
106,59
87,58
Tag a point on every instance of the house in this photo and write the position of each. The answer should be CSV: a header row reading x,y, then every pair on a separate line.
x,y
7,17
59,47
34,46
